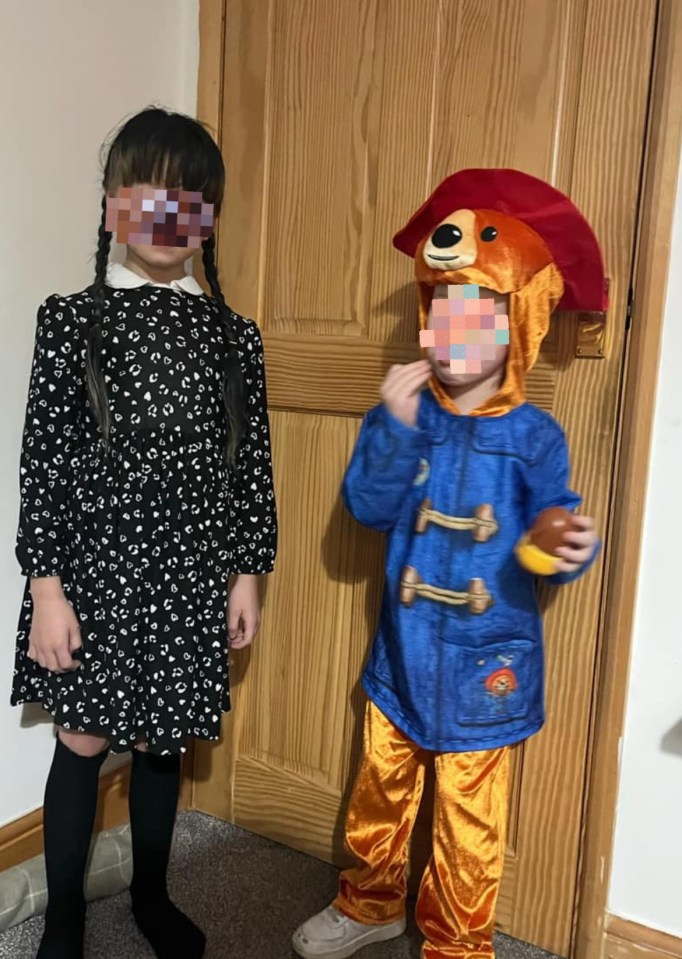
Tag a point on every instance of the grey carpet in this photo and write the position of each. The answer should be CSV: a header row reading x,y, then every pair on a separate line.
x,y
247,893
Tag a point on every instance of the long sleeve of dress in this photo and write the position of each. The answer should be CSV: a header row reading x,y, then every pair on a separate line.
x,y
383,466
51,429
252,509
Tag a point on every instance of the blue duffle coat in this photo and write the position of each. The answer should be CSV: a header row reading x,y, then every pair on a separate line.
x,y
451,679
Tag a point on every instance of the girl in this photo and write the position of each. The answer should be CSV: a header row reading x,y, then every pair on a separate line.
x,y
145,481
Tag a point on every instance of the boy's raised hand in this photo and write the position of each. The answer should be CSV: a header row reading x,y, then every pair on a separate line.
x,y
401,388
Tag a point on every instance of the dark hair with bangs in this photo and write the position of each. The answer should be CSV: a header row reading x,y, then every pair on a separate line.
x,y
171,150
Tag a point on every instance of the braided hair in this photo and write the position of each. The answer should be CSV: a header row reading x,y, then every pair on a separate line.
x,y
234,393
94,375
170,149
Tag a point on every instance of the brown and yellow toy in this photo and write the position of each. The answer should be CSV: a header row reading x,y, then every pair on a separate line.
x,y
536,550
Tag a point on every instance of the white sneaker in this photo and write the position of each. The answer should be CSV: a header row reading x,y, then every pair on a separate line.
x,y
332,935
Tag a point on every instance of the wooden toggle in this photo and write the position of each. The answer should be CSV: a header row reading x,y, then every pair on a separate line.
x,y
478,599
482,524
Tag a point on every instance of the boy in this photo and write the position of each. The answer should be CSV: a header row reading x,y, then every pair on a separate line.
x,y
461,478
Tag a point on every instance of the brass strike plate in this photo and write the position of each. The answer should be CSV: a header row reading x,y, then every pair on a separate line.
x,y
592,334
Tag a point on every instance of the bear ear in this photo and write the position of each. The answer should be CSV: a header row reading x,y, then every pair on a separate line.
x,y
549,212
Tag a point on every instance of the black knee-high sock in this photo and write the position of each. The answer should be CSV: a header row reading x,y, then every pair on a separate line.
x,y
154,789
69,815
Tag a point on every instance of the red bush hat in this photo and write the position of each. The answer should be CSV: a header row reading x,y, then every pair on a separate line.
x,y
564,229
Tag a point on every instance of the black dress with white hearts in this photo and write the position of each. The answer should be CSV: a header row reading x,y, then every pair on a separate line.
x,y
145,535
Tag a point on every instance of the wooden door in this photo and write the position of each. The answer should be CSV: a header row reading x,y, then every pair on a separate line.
x,y
338,119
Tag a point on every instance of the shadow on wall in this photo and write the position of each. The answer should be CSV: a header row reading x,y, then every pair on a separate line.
x,y
672,740
33,714
363,562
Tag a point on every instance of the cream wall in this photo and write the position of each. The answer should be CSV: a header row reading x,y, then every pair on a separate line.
x,y
70,70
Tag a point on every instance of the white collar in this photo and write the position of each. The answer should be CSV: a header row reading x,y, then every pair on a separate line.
x,y
121,278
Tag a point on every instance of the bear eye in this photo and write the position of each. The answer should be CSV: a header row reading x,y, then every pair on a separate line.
x,y
489,234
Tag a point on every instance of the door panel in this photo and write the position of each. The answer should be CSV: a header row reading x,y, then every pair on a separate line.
x,y
338,120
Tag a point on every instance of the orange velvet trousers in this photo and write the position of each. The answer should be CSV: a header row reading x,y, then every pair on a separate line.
x,y
458,894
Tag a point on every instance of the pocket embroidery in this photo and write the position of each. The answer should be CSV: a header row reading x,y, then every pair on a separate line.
x,y
497,684
502,682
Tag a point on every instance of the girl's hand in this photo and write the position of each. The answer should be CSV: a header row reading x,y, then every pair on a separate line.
x,y
401,388
243,611
580,545
55,633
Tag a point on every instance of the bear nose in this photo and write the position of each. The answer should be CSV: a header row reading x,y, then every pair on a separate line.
x,y
446,235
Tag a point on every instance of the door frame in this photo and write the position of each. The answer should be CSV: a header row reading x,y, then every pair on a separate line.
x,y
638,399
637,402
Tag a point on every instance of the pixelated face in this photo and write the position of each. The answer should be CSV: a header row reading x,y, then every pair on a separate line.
x,y
467,335
156,216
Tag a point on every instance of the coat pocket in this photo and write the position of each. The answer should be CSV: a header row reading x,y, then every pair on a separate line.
x,y
501,682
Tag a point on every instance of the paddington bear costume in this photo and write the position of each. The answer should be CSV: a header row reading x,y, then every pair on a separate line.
x,y
456,669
